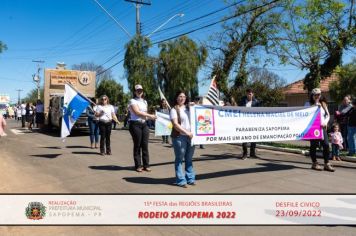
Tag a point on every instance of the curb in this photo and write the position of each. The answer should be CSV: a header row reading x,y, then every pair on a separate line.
x,y
303,152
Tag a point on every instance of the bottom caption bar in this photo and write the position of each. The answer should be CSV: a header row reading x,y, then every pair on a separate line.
x,y
178,209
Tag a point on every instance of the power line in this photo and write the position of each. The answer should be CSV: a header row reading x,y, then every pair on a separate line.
x,y
201,17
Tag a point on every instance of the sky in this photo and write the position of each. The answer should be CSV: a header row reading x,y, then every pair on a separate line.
x,y
76,31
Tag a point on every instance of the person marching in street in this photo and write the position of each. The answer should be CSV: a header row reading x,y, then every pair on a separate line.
x,y
248,101
30,109
351,129
317,100
164,109
93,123
336,142
181,139
106,114
139,130
40,114
2,126
23,115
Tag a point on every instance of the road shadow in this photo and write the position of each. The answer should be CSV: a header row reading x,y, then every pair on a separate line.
x,y
77,147
266,167
52,147
87,153
111,167
50,156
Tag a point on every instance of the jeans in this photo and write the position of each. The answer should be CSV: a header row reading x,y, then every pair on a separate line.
x,y
335,150
325,144
94,131
183,150
105,132
343,130
140,134
351,138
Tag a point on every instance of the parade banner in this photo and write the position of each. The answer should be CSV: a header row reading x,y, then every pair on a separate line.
x,y
216,124
163,124
178,209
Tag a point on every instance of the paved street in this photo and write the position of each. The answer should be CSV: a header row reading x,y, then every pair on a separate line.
x,y
33,162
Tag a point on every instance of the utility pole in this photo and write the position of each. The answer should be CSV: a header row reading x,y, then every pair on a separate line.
x,y
19,96
37,78
138,4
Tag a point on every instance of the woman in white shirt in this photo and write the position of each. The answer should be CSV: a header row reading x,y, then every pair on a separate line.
x,y
181,139
106,114
139,130
317,100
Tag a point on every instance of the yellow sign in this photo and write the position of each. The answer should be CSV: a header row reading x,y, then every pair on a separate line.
x,y
61,77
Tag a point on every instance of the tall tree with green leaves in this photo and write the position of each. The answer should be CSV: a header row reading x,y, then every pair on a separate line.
x,y
346,85
90,66
114,91
32,96
3,47
139,67
238,46
178,66
314,35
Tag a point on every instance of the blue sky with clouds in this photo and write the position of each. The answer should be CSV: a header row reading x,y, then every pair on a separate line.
x,y
76,31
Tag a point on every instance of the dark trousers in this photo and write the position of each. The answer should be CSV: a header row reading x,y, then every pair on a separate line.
x,y
343,130
325,145
140,133
252,149
23,121
105,132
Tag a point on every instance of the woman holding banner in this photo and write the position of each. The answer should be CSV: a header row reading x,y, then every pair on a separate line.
x,y
317,100
181,138
139,130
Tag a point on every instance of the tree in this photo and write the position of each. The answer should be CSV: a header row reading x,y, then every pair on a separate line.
x,y
178,66
3,47
347,82
139,67
314,35
267,87
114,91
32,96
241,39
90,66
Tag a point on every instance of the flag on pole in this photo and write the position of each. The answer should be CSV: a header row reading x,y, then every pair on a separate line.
x,y
74,105
213,93
163,97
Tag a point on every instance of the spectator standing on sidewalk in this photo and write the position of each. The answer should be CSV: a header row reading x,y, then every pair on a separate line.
x,y
336,142
40,114
317,100
139,129
342,119
249,101
181,139
351,129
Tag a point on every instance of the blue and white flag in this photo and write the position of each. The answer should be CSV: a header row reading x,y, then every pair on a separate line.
x,y
74,105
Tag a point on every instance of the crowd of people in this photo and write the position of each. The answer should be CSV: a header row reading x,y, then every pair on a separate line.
x,y
102,117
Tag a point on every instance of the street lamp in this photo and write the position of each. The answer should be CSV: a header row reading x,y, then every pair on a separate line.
x,y
179,14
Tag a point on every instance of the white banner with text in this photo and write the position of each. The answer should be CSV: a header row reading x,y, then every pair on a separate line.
x,y
178,209
217,124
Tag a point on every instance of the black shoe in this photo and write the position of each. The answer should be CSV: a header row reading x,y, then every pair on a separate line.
x,y
253,156
108,153
193,183
244,156
102,153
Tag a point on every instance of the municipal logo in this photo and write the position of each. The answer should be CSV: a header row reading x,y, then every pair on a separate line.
x,y
84,78
316,133
35,211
